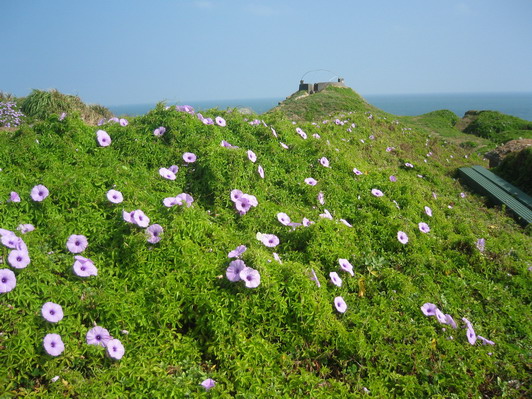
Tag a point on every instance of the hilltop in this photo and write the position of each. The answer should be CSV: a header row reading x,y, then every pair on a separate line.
x,y
353,188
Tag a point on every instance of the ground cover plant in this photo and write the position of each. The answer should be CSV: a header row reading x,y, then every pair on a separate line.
x,y
186,255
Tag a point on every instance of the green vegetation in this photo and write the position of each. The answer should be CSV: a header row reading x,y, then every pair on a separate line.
x,y
517,169
40,104
315,107
186,322
497,126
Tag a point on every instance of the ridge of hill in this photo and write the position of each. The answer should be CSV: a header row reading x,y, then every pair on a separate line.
x,y
358,188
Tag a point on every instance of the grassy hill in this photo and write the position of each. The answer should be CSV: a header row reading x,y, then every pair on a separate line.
x,y
182,321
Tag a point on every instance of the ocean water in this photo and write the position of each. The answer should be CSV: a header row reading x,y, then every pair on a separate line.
x,y
516,104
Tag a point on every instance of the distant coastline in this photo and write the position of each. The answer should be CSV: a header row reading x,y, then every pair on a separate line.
x,y
516,104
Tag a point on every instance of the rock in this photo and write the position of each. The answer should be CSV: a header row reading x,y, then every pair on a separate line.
x,y
498,154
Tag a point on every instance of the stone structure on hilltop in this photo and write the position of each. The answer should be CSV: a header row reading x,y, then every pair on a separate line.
x,y
312,88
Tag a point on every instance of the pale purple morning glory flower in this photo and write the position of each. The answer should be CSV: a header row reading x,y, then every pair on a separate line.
x,y
261,171
103,138
123,122
346,266
428,211
18,259
252,156
189,157
429,309
485,341
8,280
402,237
10,240
84,267
39,193
154,233
316,135
314,277
14,197
301,133
467,322
450,321
98,336
115,349
273,132
208,383
481,244
207,121
53,345
389,149
440,316
471,335
113,119
462,195
326,215
115,196
335,278
310,181
220,121
170,201
283,218
77,243
167,173
277,257
346,223
251,277
184,198
140,219
409,165
25,228
307,222
393,179
159,131
62,116
242,205
270,240
227,145
233,270
423,227
174,169
236,195
235,253
52,312
54,379
127,216
357,172
321,198
340,304
376,192
283,145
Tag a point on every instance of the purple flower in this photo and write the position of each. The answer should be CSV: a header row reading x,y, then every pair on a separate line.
x,y
84,267
208,383
14,197
346,266
103,138
227,145
62,116
409,165
242,205
273,132
167,174
462,195
377,193
140,219
389,149
189,157
159,131
53,345
301,133
251,277
346,223
393,179
283,145
18,259
440,316
277,257
270,240
233,270
340,304
310,181
481,244
306,222
357,172
52,312
8,280
10,240
123,122
220,121
324,161
39,193
471,336
77,243
115,349
423,227
450,321
335,278
184,198
326,215
236,195
485,341
252,156
127,216
98,336
321,198
402,237
115,196
428,211
25,228
170,201
261,171
315,278
174,169
429,309
235,253
283,218
154,233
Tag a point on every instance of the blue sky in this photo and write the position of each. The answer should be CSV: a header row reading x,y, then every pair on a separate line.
x,y
128,52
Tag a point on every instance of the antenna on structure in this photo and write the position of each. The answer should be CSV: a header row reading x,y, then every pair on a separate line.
x,y
318,70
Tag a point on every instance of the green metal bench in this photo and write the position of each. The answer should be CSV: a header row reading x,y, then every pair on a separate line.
x,y
499,194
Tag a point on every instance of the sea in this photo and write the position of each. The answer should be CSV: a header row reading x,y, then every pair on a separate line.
x,y
516,104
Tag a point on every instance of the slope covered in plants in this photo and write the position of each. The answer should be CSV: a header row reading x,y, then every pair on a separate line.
x,y
355,189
